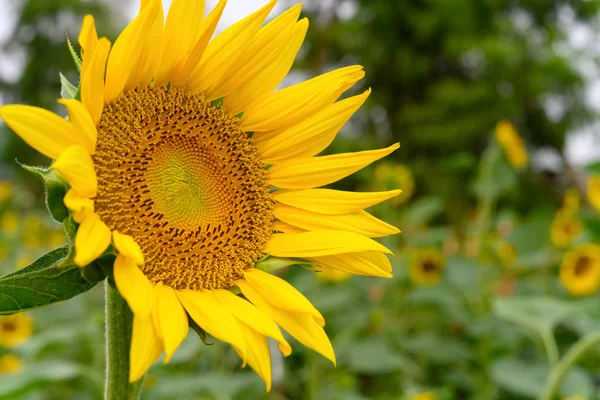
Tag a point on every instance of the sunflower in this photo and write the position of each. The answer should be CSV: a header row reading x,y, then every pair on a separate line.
x,y
580,270
10,364
512,144
6,191
593,191
424,396
391,175
183,157
15,329
565,228
427,266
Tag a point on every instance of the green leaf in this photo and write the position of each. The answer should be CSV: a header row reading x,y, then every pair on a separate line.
x,y
537,313
56,189
74,54
39,372
41,283
374,357
495,176
67,89
593,168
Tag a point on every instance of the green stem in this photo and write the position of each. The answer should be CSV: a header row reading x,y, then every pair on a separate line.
x,y
119,322
557,374
550,346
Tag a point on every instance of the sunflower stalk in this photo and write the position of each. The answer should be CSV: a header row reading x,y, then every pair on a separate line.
x,y
119,323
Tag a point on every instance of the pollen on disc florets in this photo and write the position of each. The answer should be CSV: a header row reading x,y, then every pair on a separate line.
x,y
183,179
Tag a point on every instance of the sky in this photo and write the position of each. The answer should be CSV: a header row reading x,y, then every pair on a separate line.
x,y
582,147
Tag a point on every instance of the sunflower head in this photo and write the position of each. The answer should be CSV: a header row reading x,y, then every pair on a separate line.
x,y
185,167
10,364
424,396
580,270
512,144
565,228
593,191
427,267
15,329
389,175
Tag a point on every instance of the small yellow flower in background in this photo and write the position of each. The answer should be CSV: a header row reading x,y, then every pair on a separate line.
x,y
332,275
512,144
571,201
5,191
4,251
15,329
565,227
424,396
175,180
580,270
427,267
10,364
577,397
506,253
389,176
9,223
31,240
593,191
56,239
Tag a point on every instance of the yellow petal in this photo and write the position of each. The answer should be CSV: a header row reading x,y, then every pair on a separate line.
x,y
376,258
92,81
281,294
82,206
149,59
88,39
312,135
301,326
213,317
92,238
279,226
359,222
76,165
329,201
82,122
270,76
293,104
145,347
222,52
127,51
180,34
127,246
354,263
320,243
189,66
172,319
264,49
258,356
256,319
41,129
308,173
133,285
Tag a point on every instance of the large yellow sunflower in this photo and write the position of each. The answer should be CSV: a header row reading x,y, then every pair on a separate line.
x,y
181,154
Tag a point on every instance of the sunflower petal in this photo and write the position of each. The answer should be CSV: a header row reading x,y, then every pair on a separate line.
x,y
82,122
312,135
301,326
76,165
127,51
293,104
172,319
133,285
320,243
127,246
221,52
190,66
145,347
92,81
281,294
259,356
360,222
329,201
282,227
41,129
88,39
179,35
92,238
356,264
261,53
213,317
249,315
82,206
148,62
308,173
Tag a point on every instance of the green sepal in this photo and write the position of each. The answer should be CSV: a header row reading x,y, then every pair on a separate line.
x,y
67,89
70,227
218,103
272,264
41,283
201,332
74,54
56,189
